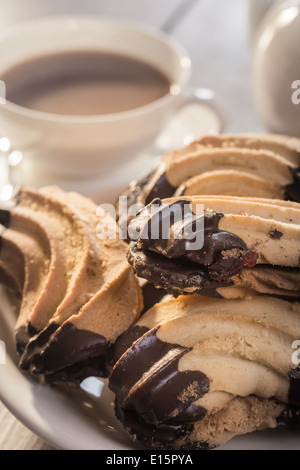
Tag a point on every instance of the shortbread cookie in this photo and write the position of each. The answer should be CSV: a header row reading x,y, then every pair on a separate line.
x,y
285,146
194,372
233,234
265,166
78,291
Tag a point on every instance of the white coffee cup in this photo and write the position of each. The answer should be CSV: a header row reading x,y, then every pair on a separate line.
x,y
82,145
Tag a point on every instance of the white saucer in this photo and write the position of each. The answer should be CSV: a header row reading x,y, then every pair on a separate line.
x,y
81,420
188,124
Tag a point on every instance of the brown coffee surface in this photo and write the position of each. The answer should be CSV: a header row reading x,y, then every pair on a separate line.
x,y
84,83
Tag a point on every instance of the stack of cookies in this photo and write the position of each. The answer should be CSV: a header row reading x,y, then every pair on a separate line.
x,y
211,353
215,358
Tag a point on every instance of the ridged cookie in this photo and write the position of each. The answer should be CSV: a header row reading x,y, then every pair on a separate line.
x,y
242,240
194,372
265,166
78,291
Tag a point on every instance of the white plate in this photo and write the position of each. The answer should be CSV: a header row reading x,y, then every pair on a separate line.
x,y
81,421
189,123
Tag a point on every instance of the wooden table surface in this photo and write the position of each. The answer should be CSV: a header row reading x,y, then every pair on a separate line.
x,y
215,33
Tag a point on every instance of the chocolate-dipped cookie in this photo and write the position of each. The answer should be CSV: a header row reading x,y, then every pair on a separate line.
x,y
194,372
78,291
240,241
265,166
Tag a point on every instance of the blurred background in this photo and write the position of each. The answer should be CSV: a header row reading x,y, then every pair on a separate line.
x,y
214,32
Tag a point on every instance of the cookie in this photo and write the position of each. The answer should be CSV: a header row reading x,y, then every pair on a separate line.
x,y
78,291
265,166
285,146
234,234
194,372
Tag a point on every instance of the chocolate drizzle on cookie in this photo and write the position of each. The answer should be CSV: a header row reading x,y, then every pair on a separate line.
x,y
167,259
156,393
44,356
174,277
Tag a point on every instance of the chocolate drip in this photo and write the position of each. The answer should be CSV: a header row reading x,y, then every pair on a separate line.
x,y
292,191
46,355
5,217
167,260
151,390
177,246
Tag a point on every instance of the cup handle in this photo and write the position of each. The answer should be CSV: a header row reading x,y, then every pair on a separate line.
x,y
175,136
205,97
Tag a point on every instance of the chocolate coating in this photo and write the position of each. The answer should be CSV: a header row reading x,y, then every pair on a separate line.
x,y
168,261
215,240
294,391
290,418
124,342
74,375
176,277
292,191
165,433
45,356
23,335
5,217
160,188
151,295
35,344
154,402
